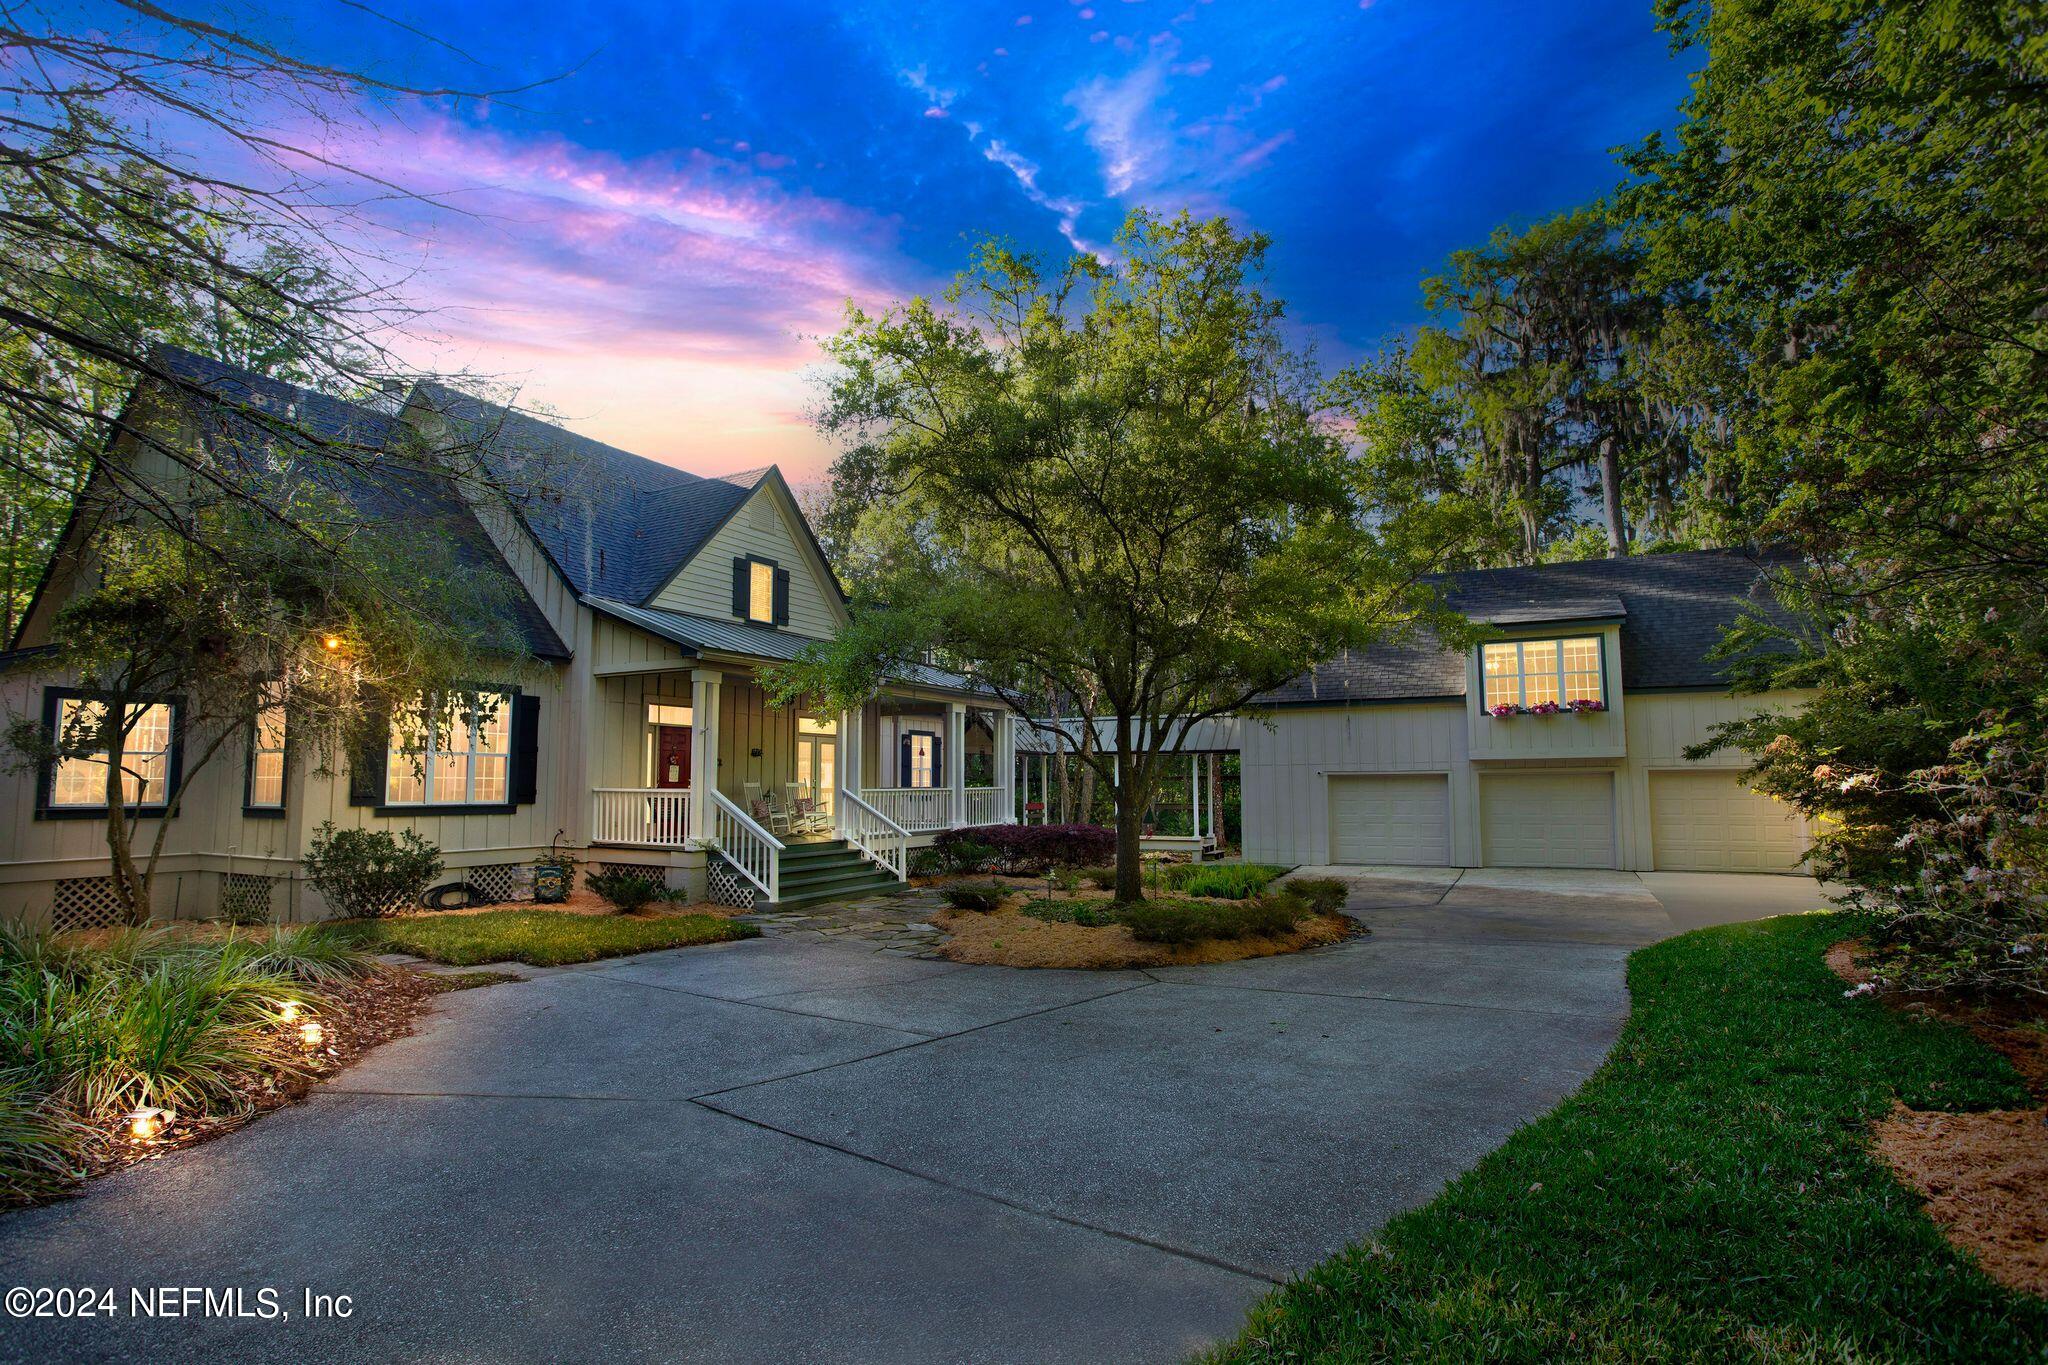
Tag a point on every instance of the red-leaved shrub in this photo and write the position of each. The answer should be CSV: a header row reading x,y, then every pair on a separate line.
x,y
1022,850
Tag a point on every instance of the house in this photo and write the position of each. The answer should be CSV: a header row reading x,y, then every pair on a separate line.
x,y
647,598
1559,742
1412,754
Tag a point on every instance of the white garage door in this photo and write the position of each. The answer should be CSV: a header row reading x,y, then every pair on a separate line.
x,y
1710,822
1563,819
1401,820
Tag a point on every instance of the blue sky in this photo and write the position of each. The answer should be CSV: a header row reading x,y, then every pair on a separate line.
x,y
650,242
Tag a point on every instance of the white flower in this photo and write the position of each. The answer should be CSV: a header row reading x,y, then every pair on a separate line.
x,y
1855,992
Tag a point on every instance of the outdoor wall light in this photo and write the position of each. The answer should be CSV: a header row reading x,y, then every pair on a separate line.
x,y
331,643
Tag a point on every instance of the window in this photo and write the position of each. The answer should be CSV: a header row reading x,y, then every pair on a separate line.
x,y
1535,672
147,756
266,755
459,759
920,759
760,592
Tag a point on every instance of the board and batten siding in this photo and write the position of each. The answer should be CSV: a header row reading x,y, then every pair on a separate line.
x,y
1287,764
762,527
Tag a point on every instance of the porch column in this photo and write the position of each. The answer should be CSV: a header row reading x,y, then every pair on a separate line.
x,y
1195,797
847,776
1006,766
956,759
704,701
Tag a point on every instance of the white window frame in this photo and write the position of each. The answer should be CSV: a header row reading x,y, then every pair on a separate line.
x,y
258,749
131,758
1520,676
760,592
436,748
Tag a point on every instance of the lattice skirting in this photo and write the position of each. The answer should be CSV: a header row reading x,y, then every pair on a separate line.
x,y
728,885
245,898
495,883
653,873
84,903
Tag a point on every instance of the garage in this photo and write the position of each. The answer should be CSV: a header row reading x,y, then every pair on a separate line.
x,y
1402,820
1548,819
1709,822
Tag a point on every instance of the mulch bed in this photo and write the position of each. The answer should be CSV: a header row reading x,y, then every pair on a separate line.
x,y
1984,1175
358,1016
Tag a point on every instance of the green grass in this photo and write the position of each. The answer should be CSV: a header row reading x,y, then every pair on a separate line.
x,y
1707,1195
541,938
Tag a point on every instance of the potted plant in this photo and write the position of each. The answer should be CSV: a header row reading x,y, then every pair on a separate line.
x,y
554,873
1507,710
1545,708
1586,706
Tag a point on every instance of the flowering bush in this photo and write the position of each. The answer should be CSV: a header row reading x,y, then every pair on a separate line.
x,y
1019,849
1504,711
1586,706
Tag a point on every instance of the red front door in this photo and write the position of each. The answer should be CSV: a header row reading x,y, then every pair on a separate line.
x,y
672,756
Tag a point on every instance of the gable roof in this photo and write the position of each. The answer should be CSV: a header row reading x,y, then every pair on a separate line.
x,y
1672,609
246,418
617,525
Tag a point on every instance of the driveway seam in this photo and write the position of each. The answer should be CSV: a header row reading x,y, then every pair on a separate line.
x,y
1051,1215
1391,999
773,1009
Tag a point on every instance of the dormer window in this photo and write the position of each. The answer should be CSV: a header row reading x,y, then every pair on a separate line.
x,y
1526,673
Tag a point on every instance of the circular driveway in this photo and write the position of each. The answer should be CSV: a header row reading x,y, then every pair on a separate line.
x,y
783,1149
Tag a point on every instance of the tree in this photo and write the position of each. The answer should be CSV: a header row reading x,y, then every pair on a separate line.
x,y
1110,485
1855,207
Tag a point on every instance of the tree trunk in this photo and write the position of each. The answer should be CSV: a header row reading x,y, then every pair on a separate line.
x,y
1610,496
1128,792
131,890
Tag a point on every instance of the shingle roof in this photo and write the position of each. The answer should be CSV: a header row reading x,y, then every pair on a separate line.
x,y
247,418
616,524
1672,607
699,633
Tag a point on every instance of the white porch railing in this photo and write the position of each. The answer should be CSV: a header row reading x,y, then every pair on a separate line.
x,y
987,806
875,834
641,817
746,845
919,810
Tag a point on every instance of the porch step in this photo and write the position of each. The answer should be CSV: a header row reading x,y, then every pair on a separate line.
x,y
829,870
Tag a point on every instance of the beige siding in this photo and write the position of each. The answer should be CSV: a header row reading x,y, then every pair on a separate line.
x,y
765,527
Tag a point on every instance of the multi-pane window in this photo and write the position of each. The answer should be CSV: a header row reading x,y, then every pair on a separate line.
x,y
145,757
1534,672
444,758
920,759
761,592
266,755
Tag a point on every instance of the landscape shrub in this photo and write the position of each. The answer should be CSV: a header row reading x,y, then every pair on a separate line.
x,y
926,862
976,895
963,856
1325,895
1029,850
1089,914
625,891
1103,878
367,874
1221,881
1179,921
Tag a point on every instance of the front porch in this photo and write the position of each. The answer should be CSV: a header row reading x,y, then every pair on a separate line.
x,y
695,764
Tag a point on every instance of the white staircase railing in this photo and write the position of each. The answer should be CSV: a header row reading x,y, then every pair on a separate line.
x,y
746,845
987,806
917,809
644,817
875,834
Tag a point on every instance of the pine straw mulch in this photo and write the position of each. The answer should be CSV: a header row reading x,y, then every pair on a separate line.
x,y
1007,937
1984,1175
357,1016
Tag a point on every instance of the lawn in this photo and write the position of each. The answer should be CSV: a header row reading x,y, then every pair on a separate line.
x,y
542,938
1706,1195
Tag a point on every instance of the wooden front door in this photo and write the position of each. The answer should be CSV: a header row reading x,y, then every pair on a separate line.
x,y
672,756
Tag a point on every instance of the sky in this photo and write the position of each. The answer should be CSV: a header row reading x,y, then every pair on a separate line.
x,y
650,242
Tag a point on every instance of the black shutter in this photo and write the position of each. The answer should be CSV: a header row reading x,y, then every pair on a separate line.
x,y
782,597
739,588
366,766
46,771
525,749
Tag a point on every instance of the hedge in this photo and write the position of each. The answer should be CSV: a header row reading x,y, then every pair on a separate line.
x,y
1026,849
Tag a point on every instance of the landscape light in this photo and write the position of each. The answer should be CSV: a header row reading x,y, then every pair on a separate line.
x,y
145,1124
311,1033
288,1013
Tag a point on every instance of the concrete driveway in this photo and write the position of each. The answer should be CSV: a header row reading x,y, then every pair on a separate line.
x,y
806,1150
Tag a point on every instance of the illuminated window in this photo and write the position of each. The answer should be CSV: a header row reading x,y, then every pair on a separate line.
x,y
80,781
462,758
1535,672
761,592
266,755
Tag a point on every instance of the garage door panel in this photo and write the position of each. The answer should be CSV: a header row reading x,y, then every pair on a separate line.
x,y
1551,819
1709,822
1402,819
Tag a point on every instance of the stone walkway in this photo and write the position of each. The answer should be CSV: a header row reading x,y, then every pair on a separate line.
x,y
899,925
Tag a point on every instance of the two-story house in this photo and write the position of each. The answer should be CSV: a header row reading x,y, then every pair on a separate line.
x,y
648,599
